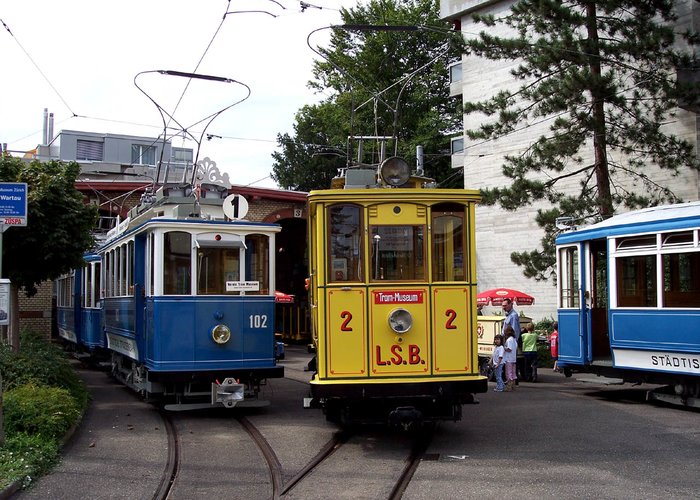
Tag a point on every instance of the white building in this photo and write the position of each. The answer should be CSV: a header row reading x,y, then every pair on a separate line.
x,y
501,232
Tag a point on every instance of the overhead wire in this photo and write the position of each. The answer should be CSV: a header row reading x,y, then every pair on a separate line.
x,y
65,103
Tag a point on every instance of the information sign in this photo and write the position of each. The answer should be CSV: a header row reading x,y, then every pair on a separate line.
x,y
13,203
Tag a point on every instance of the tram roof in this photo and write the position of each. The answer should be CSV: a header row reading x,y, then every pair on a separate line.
x,y
646,220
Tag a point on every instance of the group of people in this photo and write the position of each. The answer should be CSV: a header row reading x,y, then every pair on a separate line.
x,y
504,357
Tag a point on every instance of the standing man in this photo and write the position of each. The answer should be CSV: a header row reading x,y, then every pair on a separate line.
x,y
512,318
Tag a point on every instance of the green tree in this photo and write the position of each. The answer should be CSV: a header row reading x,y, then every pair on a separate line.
x,y
604,72
58,230
378,82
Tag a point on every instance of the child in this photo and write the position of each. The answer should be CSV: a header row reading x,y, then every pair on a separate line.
x,y
497,362
554,345
510,357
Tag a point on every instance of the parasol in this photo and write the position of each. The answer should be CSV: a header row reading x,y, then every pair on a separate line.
x,y
283,298
495,297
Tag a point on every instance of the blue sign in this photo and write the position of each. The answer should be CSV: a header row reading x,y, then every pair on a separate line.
x,y
13,203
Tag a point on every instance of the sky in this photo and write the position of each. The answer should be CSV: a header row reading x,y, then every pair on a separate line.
x,y
79,59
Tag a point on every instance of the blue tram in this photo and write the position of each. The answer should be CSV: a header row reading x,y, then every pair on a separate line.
x,y
79,315
187,300
629,299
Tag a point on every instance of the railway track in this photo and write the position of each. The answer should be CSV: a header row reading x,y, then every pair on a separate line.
x,y
172,466
280,489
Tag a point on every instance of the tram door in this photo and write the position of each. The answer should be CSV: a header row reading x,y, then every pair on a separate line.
x,y
597,276
573,317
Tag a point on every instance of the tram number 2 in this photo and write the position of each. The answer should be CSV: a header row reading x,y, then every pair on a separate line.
x,y
346,316
451,317
258,320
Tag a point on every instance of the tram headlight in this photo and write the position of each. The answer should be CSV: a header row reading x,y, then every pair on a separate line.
x,y
221,334
400,320
395,171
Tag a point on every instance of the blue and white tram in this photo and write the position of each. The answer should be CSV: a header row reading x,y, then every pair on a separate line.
x,y
188,302
79,315
629,299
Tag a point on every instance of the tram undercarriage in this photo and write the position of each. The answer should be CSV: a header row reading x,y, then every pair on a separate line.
x,y
407,405
189,391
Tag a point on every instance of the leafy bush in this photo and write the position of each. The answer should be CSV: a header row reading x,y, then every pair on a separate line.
x,y
25,456
43,398
40,410
40,361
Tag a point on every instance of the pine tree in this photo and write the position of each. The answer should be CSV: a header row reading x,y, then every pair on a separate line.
x,y
603,72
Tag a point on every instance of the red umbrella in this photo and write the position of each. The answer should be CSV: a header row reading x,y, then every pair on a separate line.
x,y
283,298
495,297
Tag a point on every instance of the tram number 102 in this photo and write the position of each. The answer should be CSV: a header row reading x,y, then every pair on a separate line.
x,y
258,320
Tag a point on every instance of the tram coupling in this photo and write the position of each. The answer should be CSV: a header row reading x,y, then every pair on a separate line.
x,y
228,393
406,418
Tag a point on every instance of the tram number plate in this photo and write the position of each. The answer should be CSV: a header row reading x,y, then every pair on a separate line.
x,y
258,320
398,356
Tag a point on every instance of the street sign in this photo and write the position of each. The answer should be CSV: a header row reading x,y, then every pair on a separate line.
x,y
13,203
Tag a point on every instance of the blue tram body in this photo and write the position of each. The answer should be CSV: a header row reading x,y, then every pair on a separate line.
x,y
187,302
629,298
79,315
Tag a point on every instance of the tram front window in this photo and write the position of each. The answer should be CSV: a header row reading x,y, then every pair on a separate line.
x,y
344,230
398,253
257,262
448,244
216,266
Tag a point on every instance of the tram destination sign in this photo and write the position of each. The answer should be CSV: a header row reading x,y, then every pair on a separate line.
x,y
13,203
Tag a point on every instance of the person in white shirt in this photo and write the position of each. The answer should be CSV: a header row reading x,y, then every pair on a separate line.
x,y
497,362
510,357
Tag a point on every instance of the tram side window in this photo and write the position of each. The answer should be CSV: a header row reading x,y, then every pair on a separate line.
x,y
449,261
177,263
108,270
130,269
87,286
344,233
150,265
398,253
568,282
681,279
257,262
97,285
636,281
64,291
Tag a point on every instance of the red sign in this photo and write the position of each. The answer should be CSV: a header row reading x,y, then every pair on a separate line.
x,y
399,297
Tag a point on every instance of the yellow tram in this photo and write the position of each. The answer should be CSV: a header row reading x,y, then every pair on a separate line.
x,y
393,297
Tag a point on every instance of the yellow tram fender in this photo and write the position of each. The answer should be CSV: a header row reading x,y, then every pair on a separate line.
x,y
487,327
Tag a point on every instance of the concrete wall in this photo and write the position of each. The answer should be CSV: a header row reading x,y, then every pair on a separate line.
x,y
499,232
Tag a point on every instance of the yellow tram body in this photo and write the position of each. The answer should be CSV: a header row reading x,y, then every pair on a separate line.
x,y
393,301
